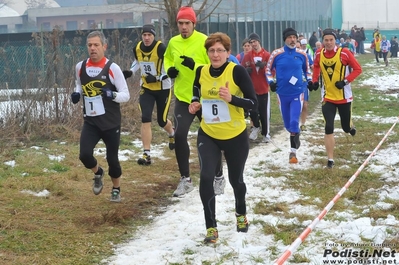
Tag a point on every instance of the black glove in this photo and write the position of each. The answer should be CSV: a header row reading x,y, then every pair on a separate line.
x,y
127,73
173,72
310,85
150,78
249,70
340,84
315,86
107,93
260,64
75,97
188,62
273,86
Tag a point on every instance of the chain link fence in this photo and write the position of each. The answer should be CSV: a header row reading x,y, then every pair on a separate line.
x,y
37,75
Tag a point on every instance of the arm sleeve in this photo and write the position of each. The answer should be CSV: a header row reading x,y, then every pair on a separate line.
x,y
244,82
117,78
167,57
197,86
78,84
161,50
269,68
135,66
316,68
349,59
161,53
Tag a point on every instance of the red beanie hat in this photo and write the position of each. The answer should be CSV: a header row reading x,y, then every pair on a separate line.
x,y
186,12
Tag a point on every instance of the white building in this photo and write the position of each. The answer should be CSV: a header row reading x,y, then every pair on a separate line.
x,y
370,14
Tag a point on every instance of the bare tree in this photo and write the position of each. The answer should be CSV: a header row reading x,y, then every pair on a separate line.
x,y
171,7
37,3
5,2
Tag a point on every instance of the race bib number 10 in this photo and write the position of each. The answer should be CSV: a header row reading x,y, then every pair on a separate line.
x,y
94,106
215,111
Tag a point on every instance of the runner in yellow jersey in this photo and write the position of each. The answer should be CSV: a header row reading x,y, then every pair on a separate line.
x,y
221,92
155,88
334,64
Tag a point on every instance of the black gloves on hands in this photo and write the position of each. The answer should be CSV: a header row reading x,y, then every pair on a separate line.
x,y
150,78
313,86
273,86
340,84
173,72
188,62
249,70
260,64
127,73
107,93
75,97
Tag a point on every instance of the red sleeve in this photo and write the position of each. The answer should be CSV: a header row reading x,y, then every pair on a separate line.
x,y
244,60
316,67
349,59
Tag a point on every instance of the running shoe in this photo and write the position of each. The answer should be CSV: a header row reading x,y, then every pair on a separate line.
x,y
145,160
185,186
352,131
115,195
292,158
266,139
218,185
242,223
98,182
330,164
212,235
253,135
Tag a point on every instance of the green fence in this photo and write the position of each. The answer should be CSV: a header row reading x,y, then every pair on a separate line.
x,y
49,59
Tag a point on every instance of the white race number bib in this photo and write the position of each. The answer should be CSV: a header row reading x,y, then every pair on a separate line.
x,y
215,111
148,67
94,106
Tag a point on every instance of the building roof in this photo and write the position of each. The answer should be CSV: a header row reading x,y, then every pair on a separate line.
x,y
6,11
18,7
66,3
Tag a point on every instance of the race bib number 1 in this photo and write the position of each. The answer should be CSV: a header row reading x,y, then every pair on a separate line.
x,y
94,106
215,111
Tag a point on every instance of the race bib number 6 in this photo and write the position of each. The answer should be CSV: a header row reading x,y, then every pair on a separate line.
x,y
94,106
215,111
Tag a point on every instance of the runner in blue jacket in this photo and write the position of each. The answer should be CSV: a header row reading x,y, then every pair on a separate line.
x,y
284,72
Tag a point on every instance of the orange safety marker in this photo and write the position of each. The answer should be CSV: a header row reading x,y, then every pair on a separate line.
x,y
291,249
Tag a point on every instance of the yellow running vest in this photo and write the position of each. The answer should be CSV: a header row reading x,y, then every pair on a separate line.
x,y
333,70
220,119
150,63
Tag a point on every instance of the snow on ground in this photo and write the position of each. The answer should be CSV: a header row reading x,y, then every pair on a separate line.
x,y
175,237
